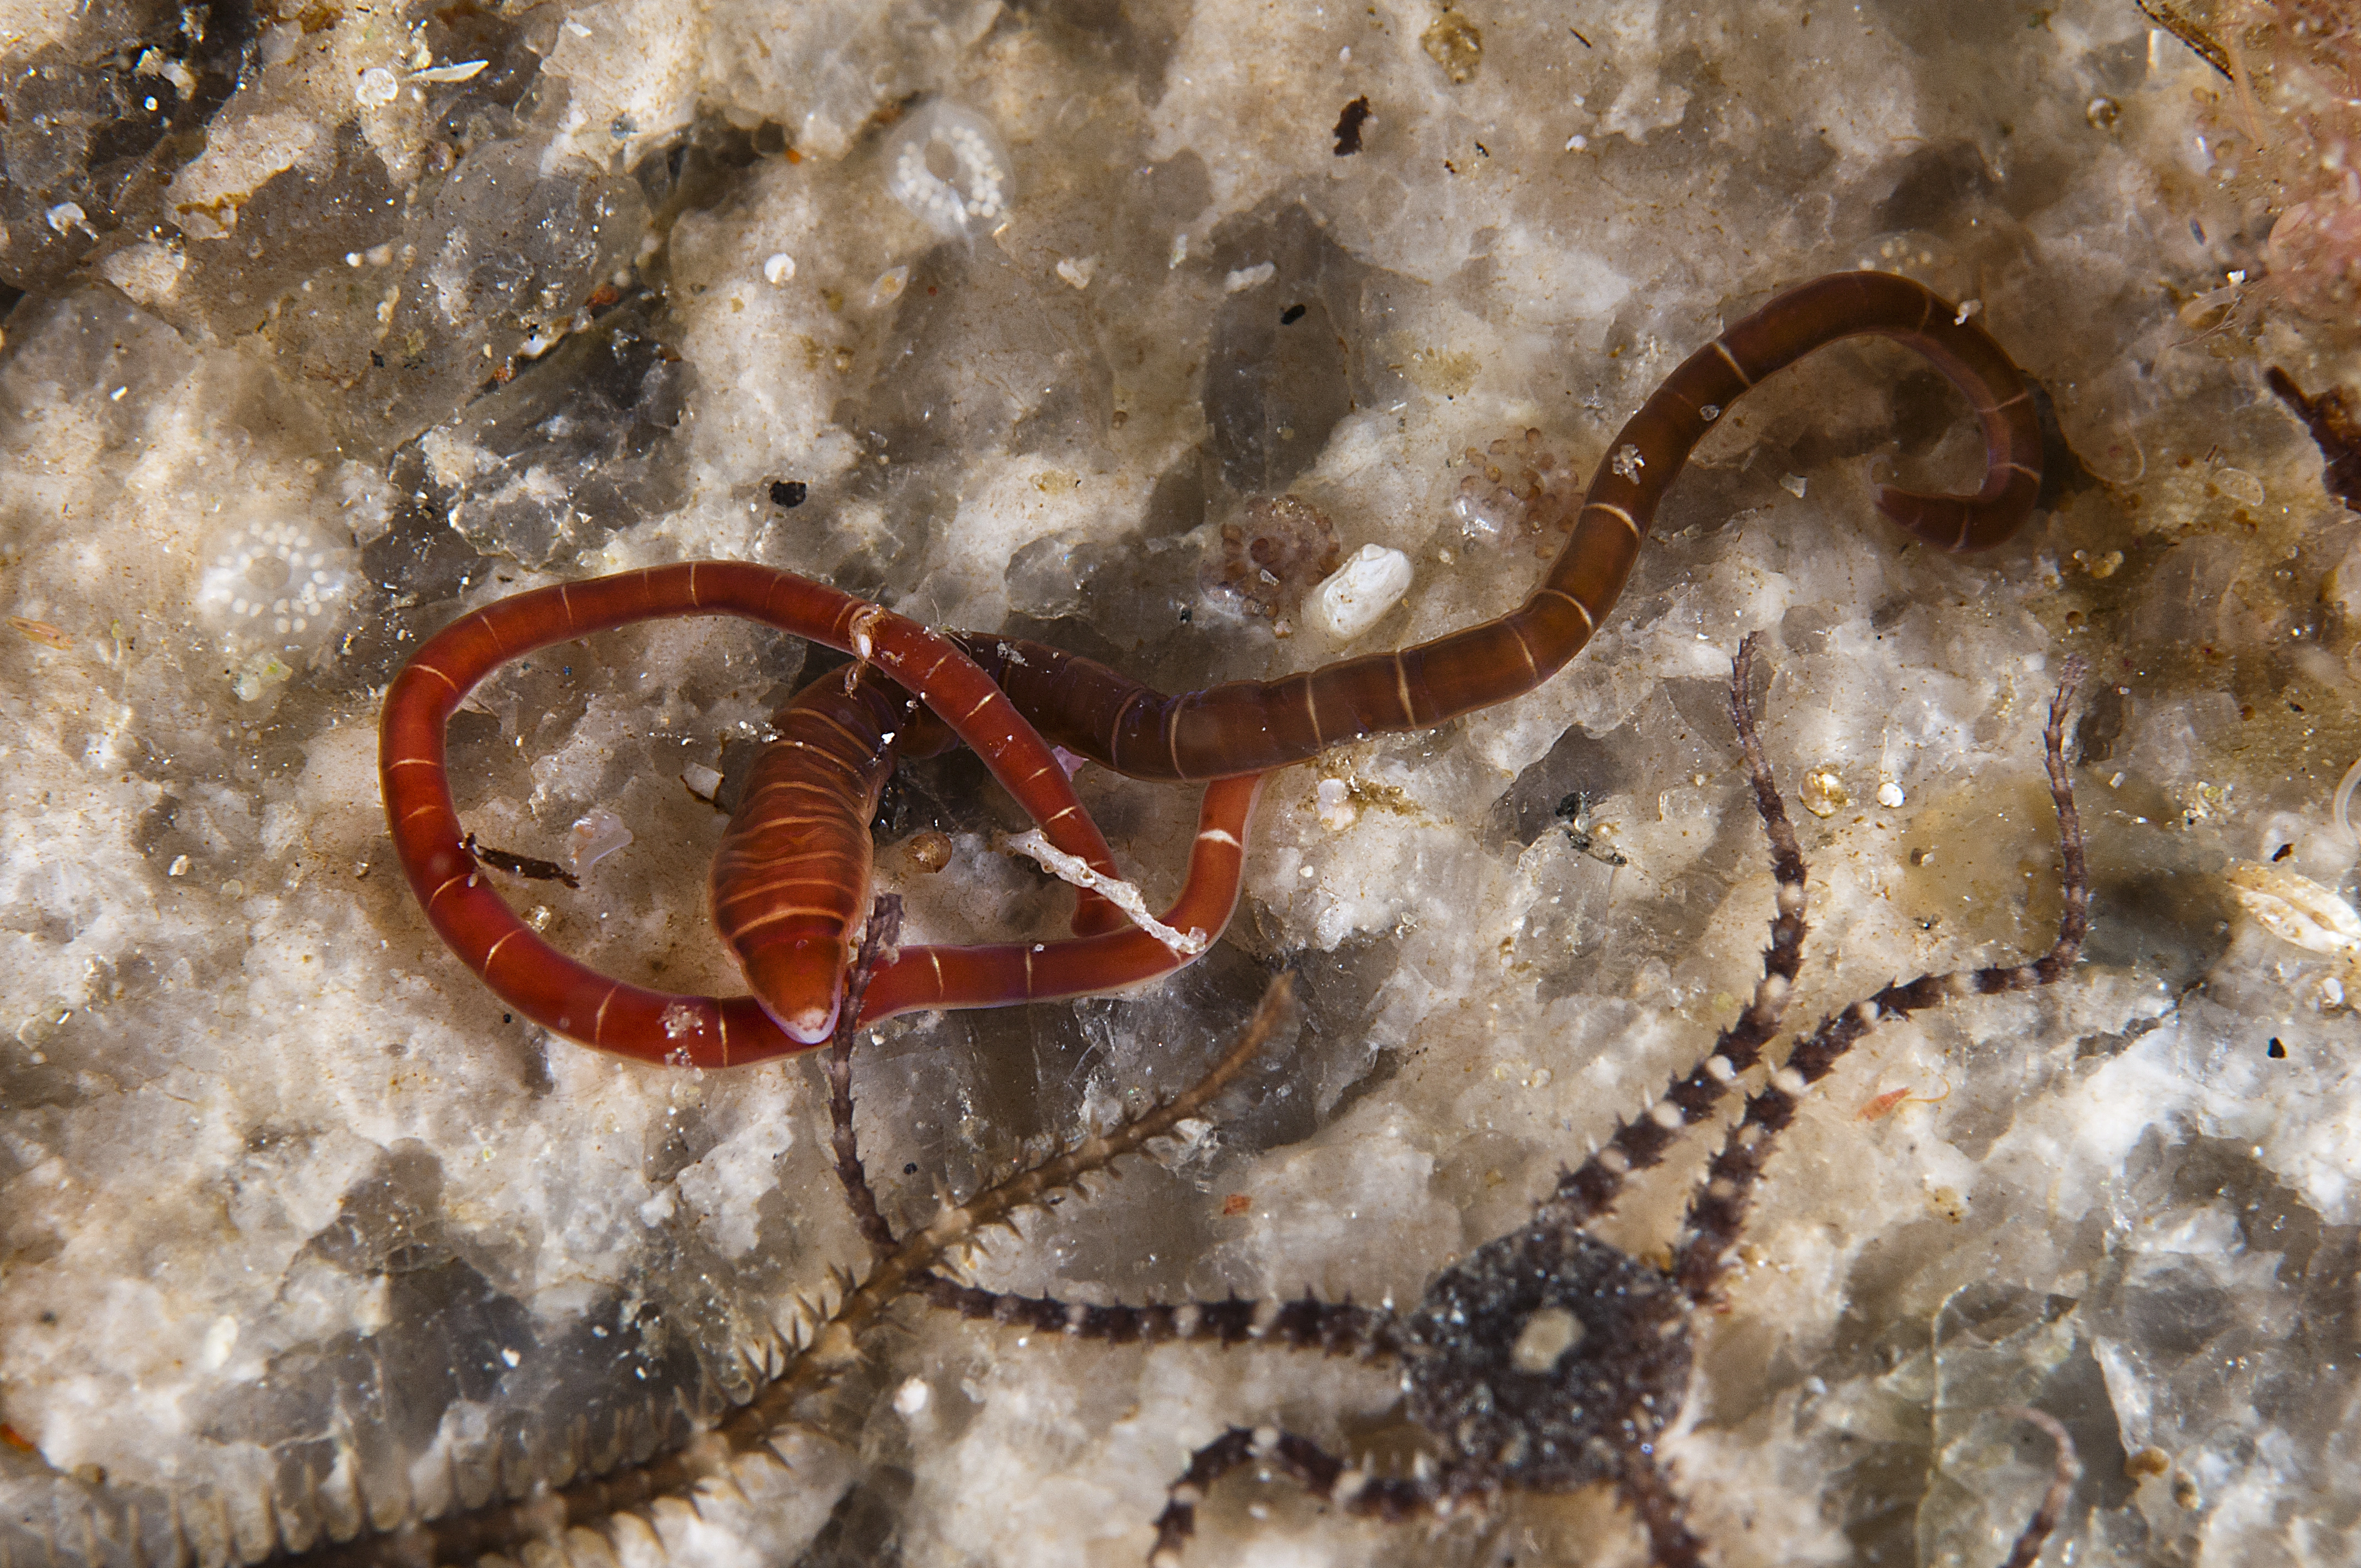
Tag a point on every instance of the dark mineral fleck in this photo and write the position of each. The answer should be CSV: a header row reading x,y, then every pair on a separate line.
x,y
789,493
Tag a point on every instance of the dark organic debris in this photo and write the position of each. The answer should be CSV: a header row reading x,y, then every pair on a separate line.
x,y
1348,126
524,866
2336,426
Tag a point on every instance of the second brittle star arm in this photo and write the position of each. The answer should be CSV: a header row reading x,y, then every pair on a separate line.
x,y
824,1347
1730,1179
1547,1359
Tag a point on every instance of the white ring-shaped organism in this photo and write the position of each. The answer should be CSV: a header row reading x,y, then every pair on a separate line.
x,y
277,585
947,166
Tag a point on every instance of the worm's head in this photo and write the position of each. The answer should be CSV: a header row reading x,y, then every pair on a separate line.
x,y
800,983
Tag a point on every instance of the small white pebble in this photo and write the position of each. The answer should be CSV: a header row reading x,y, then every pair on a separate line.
x,y
701,780
66,215
377,86
1577,142
1245,277
778,268
1889,794
1793,484
180,866
1967,309
1359,592
220,1340
1078,272
912,1398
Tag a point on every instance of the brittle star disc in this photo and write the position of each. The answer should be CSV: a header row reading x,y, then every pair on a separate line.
x,y
1545,1356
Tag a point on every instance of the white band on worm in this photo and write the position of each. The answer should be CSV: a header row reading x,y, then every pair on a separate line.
x,y
1124,896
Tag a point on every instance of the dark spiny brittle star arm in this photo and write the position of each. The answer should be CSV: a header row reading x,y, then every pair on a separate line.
x,y
787,1374
1548,1360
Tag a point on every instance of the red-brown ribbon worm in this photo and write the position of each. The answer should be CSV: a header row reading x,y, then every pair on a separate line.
x,y
791,881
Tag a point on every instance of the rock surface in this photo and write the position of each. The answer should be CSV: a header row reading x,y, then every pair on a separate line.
x,y
328,326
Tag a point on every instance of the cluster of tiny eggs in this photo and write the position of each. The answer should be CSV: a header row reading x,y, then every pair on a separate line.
x,y
948,167
276,583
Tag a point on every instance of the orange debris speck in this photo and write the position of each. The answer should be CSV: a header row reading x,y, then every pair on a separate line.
x,y
41,632
1884,1103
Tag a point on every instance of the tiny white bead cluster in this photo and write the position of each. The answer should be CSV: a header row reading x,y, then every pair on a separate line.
x,y
975,199
275,578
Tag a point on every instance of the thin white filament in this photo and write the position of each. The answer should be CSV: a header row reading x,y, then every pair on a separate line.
x,y
1124,896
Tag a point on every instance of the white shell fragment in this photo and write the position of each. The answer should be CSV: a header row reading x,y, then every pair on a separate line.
x,y
461,71
595,835
1359,593
889,286
2296,909
948,166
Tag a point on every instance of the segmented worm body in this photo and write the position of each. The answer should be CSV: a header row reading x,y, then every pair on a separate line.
x,y
1250,726
574,1000
791,882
